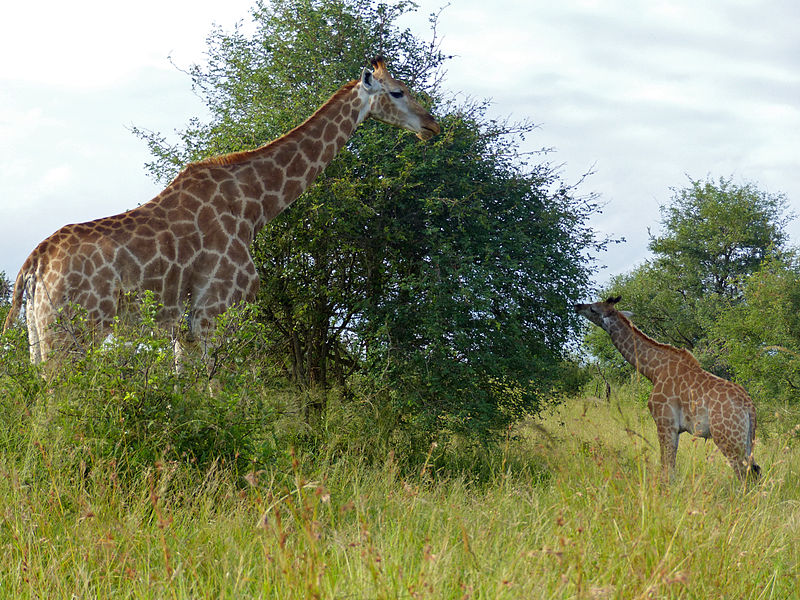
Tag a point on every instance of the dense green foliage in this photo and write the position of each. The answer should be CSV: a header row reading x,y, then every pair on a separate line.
x,y
438,276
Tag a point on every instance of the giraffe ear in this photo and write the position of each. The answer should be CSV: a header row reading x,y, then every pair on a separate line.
x,y
627,313
369,82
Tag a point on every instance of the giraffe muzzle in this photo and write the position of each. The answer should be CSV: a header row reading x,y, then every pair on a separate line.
x,y
429,130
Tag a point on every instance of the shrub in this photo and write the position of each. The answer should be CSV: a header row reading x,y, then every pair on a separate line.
x,y
124,400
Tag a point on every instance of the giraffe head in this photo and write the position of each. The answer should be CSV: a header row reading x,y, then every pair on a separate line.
x,y
390,102
599,313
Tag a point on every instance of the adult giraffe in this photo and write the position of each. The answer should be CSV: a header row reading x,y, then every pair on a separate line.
x,y
685,397
190,244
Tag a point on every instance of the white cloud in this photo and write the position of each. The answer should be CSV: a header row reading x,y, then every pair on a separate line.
x,y
644,92
95,43
54,180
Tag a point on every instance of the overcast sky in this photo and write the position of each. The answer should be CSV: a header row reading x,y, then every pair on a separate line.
x,y
642,93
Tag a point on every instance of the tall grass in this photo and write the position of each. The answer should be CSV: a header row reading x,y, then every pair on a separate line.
x,y
570,507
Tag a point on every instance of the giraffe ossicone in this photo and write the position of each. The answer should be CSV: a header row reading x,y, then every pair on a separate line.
x,y
685,396
190,244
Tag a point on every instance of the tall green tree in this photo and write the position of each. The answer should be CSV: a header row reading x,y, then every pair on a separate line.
x,y
472,313
716,232
441,272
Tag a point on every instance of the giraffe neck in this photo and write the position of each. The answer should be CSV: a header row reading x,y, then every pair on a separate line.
x,y
268,179
646,355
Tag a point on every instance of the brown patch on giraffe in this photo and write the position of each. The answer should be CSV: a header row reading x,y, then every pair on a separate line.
x,y
244,232
225,265
169,200
103,283
166,246
229,189
172,280
216,239
57,263
313,150
108,307
229,224
242,280
297,167
145,252
238,253
291,190
284,155
156,211
328,153
313,171
251,185
272,176
206,216
331,133
251,210
91,303
190,205
207,262
183,229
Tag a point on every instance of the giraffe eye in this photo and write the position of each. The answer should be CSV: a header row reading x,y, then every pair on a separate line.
x,y
398,94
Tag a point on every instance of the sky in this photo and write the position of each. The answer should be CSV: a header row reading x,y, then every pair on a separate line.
x,y
644,95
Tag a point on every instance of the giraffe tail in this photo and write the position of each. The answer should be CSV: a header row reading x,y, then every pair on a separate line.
x,y
752,466
16,299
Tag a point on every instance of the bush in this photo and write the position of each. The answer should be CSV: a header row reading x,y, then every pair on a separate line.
x,y
122,398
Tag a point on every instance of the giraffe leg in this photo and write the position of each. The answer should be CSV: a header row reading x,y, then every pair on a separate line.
x,y
40,314
731,436
228,289
753,469
736,458
668,441
48,335
177,351
734,450
667,430
34,341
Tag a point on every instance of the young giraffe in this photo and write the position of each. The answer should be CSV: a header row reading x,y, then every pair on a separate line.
x,y
190,244
685,397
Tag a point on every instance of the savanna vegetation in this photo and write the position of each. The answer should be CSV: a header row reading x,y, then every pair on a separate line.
x,y
407,410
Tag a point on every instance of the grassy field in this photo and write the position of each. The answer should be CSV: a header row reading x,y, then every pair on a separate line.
x,y
573,509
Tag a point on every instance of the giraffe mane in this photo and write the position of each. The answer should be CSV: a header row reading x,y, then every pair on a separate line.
x,y
233,158
683,352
